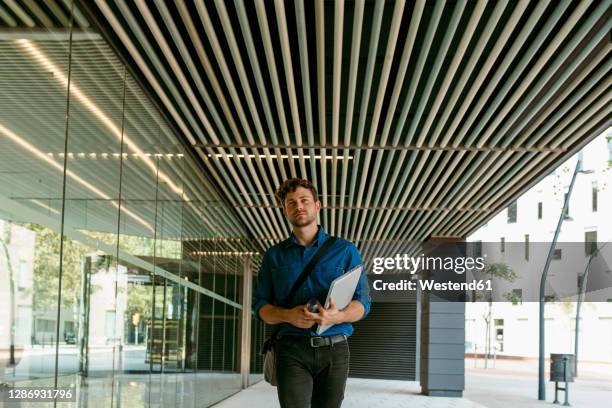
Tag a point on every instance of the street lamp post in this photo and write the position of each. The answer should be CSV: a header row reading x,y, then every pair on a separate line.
x,y
541,383
578,304
581,291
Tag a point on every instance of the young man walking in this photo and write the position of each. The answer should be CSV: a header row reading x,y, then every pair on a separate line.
x,y
311,369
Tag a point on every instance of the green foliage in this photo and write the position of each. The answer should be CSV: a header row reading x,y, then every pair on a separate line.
x,y
513,297
46,269
139,300
501,271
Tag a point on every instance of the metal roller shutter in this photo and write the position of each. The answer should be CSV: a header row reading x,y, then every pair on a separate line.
x,y
384,344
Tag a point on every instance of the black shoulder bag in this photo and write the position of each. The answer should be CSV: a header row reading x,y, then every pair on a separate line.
x,y
267,349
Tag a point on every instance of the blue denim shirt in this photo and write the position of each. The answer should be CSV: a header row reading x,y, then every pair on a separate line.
x,y
284,262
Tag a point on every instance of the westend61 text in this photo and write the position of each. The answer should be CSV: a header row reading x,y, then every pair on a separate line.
x,y
429,284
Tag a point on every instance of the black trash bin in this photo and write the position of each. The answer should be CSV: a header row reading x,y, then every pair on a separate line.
x,y
562,370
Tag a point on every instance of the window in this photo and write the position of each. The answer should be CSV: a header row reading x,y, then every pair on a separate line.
x,y
45,325
579,282
526,247
68,327
512,213
477,249
517,296
499,322
556,254
539,210
594,197
590,242
567,208
499,334
502,247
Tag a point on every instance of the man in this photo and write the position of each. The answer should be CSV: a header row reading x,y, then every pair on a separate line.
x,y
311,369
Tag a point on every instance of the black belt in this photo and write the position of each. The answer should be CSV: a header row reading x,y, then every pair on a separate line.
x,y
319,341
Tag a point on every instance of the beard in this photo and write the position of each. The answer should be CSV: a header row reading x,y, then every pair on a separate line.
x,y
302,220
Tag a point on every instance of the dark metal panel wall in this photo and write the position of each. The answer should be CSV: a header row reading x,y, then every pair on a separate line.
x,y
384,344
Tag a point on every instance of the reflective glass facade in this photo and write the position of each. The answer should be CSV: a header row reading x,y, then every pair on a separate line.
x,y
121,268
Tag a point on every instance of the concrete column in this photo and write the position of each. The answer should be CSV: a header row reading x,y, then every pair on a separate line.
x,y
442,342
245,332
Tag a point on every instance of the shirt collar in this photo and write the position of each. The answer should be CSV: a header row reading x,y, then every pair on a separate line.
x,y
319,239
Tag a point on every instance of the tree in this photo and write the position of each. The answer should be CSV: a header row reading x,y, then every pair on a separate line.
x,y
44,288
499,271
46,269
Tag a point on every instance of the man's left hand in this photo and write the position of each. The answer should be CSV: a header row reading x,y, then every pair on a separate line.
x,y
328,316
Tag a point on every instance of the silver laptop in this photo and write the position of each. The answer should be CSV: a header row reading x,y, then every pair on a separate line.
x,y
342,290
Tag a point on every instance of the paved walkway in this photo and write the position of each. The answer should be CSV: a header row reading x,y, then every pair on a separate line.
x,y
360,393
511,384
514,384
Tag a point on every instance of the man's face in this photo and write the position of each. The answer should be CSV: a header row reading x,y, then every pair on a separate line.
x,y
301,209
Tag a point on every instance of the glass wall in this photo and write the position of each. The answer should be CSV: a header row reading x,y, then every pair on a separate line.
x,y
120,268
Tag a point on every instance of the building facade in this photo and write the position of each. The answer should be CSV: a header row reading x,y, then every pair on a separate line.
x,y
527,227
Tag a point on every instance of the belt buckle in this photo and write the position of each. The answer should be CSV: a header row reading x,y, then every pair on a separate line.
x,y
312,341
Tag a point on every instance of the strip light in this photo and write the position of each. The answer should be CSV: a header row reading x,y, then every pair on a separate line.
x,y
274,156
223,253
75,91
45,62
45,206
42,156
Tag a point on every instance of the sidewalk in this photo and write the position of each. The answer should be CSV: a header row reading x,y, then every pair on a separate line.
x,y
514,384
511,384
360,393
586,371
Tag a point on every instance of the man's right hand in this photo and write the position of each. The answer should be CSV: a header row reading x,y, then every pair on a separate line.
x,y
298,317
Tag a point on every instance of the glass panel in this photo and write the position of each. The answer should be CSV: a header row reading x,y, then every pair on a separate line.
x,y
137,243
144,232
33,78
257,338
93,210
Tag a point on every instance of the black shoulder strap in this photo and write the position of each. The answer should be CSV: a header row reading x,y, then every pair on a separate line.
x,y
311,265
296,285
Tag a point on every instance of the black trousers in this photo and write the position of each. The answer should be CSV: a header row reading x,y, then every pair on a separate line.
x,y
311,377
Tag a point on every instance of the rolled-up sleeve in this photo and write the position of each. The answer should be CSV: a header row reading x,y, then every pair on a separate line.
x,y
362,292
263,294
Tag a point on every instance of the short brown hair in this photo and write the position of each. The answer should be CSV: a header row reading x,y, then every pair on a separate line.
x,y
290,185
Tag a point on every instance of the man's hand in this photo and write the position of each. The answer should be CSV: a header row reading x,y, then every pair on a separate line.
x,y
299,316
328,316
